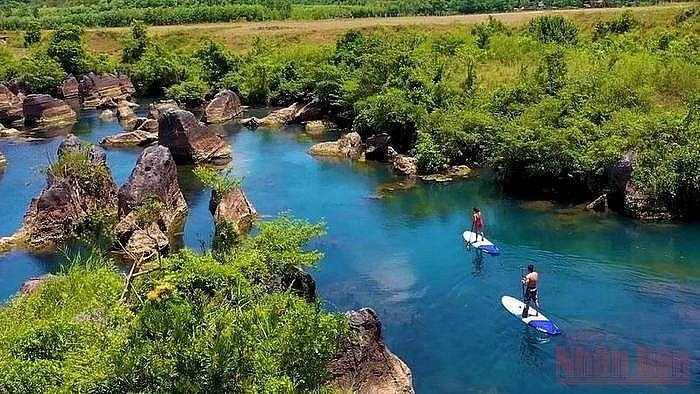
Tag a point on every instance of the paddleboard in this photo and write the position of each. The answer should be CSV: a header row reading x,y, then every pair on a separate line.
x,y
535,319
482,244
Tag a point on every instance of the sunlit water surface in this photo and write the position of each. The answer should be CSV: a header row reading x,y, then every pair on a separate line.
x,y
607,281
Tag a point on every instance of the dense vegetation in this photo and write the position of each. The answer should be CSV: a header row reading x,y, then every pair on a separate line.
x,y
51,14
551,105
217,322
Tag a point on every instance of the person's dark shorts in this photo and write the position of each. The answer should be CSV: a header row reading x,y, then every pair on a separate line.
x,y
530,296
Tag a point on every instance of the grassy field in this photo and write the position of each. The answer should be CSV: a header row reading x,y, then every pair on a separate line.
x,y
238,36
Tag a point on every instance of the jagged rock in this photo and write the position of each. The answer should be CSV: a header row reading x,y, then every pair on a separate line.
x,y
31,285
41,110
68,200
295,113
377,147
234,208
146,124
96,88
600,204
131,138
636,202
124,110
349,145
153,181
364,364
224,106
107,115
316,127
70,89
300,282
159,107
190,141
10,106
401,164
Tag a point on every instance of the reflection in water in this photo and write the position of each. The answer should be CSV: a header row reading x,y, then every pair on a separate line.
x,y
478,263
531,353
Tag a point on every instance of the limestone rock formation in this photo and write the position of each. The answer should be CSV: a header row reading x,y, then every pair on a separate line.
x,y
10,106
316,127
365,365
349,145
402,164
70,88
11,132
377,147
125,110
95,88
151,204
130,138
41,110
295,113
73,194
146,124
190,141
224,106
157,108
635,202
234,208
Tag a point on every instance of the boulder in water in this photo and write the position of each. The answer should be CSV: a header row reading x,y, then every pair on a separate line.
x,y
190,141
96,89
130,138
377,147
224,106
349,145
42,110
235,209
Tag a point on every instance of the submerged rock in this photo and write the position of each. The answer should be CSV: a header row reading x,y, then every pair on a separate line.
x,y
224,106
74,193
452,173
107,115
190,141
42,110
349,145
365,365
130,138
151,204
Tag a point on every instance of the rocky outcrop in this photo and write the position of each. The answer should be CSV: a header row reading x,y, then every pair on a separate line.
x,y
125,110
96,88
70,88
157,108
130,138
151,204
10,106
402,164
365,365
299,282
316,127
349,145
31,285
377,147
9,132
295,113
235,209
635,202
72,195
42,110
146,124
190,141
224,106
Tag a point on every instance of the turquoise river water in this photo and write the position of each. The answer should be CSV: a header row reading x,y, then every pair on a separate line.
x,y
608,282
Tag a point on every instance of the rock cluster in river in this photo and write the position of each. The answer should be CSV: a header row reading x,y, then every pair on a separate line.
x,y
70,88
190,141
41,110
295,113
151,204
97,90
365,365
224,106
69,198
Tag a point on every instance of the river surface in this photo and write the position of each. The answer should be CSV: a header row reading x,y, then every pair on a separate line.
x,y
608,282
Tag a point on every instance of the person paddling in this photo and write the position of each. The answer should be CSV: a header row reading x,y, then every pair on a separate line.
x,y
530,290
477,224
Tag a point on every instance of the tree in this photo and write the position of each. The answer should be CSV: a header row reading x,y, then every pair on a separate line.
x,y
32,35
68,48
136,46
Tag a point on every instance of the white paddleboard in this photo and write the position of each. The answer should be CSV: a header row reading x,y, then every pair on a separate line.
x,y
535,319
481,243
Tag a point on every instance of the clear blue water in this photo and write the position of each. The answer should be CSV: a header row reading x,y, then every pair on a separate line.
x,y
605,280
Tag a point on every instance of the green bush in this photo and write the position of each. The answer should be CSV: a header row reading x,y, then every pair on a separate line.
x,y
137,44
41,74
75,166
189,93
67,46
32,35
553,29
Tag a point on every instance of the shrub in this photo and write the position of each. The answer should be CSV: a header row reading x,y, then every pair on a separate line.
x,y
75,165
189,93
32,35
41,74
137,44
68,48
553,29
